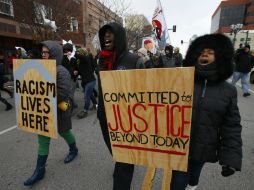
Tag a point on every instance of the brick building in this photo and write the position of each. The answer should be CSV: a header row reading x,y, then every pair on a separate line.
x,y
21,25
25,23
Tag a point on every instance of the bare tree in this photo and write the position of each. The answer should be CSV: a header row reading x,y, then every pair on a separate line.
x,y
114,10
137,27
47,19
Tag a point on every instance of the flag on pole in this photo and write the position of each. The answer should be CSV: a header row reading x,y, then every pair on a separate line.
x,y
160,26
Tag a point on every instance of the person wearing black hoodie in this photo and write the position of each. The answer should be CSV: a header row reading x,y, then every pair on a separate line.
x,y
215,127
70,63
114,56
243,62
85,70
168,60
53,50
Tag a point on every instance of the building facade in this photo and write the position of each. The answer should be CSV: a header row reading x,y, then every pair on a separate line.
x,y
25,23
232,12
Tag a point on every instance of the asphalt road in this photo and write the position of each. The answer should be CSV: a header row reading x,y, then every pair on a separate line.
x,y
93,168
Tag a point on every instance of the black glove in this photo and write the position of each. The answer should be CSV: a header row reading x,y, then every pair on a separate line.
x,y
227,171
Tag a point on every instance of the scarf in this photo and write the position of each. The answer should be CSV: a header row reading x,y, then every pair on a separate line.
x,y
208,72
109,58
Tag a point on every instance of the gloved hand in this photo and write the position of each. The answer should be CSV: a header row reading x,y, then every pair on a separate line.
x,y
227,171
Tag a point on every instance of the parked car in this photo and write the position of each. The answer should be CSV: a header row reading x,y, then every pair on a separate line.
x,y
252,76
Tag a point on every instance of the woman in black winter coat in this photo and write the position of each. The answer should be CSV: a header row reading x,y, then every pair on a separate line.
x,y
216,128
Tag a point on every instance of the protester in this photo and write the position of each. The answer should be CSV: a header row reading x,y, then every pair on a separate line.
x,y
52,50
168,60
33,54
21,53
3,79
142,53
88,83
10,58
178,56
114,56
215,128
93,61
243,64
70,63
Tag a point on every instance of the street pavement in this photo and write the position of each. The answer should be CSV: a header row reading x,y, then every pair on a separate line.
x,y
93,168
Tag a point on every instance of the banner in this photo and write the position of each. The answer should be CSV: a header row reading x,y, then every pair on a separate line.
x,y
149,115
35,96
149,44
160,26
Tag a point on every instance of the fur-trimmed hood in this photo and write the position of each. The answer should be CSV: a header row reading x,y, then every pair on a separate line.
x,y
224,53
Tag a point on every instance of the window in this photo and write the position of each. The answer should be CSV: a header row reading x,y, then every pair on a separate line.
x,y
74,24
42,12
90,5
6,7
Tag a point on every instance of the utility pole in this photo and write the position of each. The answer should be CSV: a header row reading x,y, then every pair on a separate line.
x,y
235,28
247,36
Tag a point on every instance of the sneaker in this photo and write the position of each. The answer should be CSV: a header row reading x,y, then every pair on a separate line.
x,y
82,114
246,94
189,187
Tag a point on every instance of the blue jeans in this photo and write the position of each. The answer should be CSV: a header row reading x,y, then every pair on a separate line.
x,y
181,179
88,94
244,80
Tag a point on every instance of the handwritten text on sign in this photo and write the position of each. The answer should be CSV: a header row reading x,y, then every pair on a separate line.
x,y
35,96
149,115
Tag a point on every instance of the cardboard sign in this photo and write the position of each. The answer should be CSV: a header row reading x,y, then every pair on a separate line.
x,y
149,115
35,96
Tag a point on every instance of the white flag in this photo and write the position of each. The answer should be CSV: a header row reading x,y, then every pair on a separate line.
x,y
160,26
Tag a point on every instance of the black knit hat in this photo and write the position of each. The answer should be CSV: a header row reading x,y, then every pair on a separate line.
x,y
68,47
247,46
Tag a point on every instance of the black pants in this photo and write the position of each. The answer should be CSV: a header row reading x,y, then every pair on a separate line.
x,y
181,179
123,172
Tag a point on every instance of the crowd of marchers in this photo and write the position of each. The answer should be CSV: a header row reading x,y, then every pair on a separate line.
x,y
216,128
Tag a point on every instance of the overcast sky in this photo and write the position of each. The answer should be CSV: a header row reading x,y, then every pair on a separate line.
x,y
190,16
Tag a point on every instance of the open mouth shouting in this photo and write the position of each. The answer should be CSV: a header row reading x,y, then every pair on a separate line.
x,y
109,40
108,43
207,56
203,62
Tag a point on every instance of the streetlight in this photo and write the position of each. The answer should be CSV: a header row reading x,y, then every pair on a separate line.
x,y
182,42
174,28
235,28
